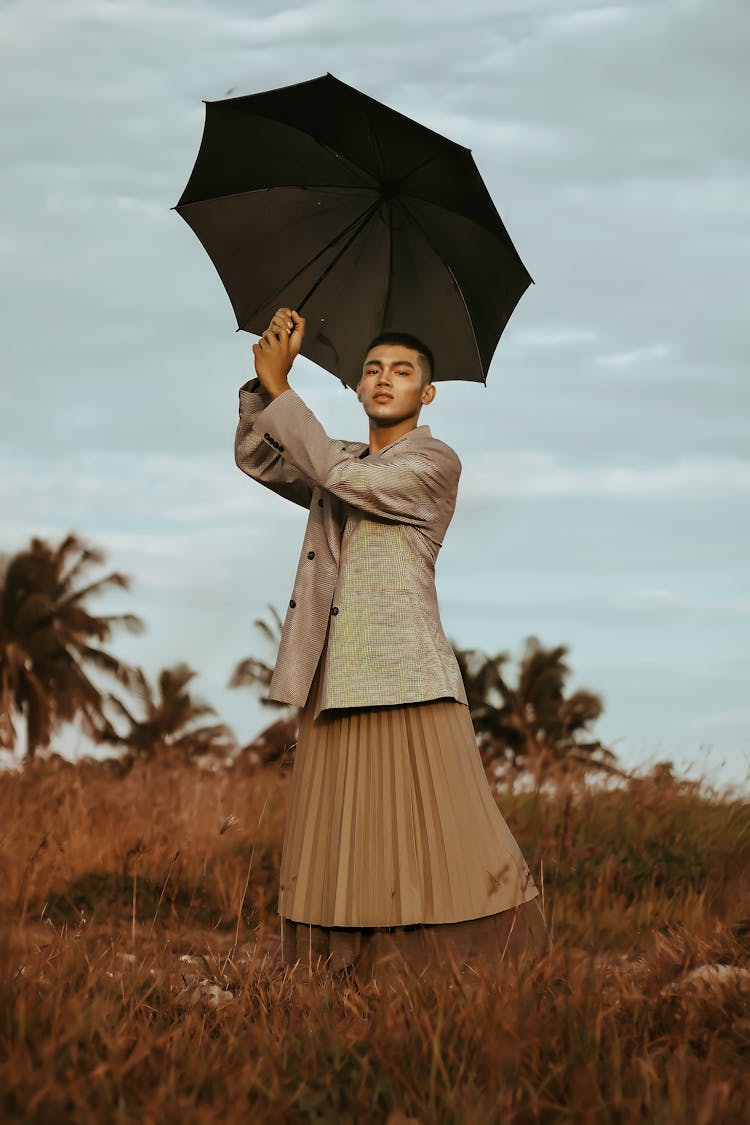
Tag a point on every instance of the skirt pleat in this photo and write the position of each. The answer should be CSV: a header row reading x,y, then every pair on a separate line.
x,y
391,822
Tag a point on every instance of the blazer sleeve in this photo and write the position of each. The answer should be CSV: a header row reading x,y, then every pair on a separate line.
x,y
415,487
260,459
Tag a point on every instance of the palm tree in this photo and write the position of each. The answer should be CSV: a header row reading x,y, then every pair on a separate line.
x,y
486,691
49,641
275,740
533,726
171,719
255,673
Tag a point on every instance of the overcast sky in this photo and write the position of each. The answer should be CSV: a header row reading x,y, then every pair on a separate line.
x,y
604,498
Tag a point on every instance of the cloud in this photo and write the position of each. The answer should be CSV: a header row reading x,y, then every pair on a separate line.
x,y
620,361
668,604
99,488
539,475
205,492
734,717
553,338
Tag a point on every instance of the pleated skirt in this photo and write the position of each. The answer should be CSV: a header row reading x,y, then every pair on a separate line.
x,y
392,829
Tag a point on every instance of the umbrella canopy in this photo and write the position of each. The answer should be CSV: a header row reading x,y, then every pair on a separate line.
x,y
322,199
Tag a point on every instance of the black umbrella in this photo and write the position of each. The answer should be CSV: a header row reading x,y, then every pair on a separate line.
x,y
317,197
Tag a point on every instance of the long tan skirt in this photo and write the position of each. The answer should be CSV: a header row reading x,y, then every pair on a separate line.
x,y
393,840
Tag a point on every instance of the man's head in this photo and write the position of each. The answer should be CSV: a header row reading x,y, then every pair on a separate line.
x,y
396,379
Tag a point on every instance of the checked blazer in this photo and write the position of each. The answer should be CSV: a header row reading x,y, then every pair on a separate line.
x,y
366,573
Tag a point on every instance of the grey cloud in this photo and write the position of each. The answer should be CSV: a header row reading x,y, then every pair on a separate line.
x,y
540,474
664,603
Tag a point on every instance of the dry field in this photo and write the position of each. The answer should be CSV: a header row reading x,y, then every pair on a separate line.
x,y
141,979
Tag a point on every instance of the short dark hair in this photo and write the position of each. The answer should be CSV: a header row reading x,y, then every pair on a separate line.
x,y
407,340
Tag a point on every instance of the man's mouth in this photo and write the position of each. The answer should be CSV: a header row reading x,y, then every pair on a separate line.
x,y
382,394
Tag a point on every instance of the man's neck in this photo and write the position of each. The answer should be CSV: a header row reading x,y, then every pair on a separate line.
x,y
380,436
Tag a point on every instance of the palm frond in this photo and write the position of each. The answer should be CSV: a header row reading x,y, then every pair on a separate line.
x,y
115,702
265,629
250,672
113,579
68,545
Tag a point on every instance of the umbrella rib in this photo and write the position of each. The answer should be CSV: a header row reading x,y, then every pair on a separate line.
x,y
271,187
417,168
390,262
501,234
365,217
453,210
361,219
437,253
378,148
361,172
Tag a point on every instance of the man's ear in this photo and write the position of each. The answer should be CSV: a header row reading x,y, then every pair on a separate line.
x,y
428,393
359,396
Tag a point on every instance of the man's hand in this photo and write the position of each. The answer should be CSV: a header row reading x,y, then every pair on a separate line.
x,y
277,350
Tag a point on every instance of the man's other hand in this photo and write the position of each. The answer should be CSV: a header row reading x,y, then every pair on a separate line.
x,y
277,349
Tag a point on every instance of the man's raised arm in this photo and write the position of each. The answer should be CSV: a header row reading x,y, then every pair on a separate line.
x,y
260,459
418,486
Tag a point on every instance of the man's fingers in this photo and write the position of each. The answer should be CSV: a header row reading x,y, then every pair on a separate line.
x,y
282,324
297,334
272,339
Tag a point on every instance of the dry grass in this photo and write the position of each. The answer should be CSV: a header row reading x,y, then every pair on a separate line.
x,y
142,981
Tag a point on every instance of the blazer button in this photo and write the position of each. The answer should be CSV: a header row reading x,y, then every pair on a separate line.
x,y
320,503
334,610
280,448
267,437
292,604
311,554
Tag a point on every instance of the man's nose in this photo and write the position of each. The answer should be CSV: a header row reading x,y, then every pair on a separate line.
x,y
384,380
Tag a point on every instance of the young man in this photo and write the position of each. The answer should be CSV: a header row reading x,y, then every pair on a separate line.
x,y
392,823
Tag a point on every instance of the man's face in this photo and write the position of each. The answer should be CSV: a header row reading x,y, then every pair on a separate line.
x,y
391,387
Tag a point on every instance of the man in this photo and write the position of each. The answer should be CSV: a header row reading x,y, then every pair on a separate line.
x,y
392,823
386,644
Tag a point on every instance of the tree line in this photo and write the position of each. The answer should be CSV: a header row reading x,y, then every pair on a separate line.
x,y
51,642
